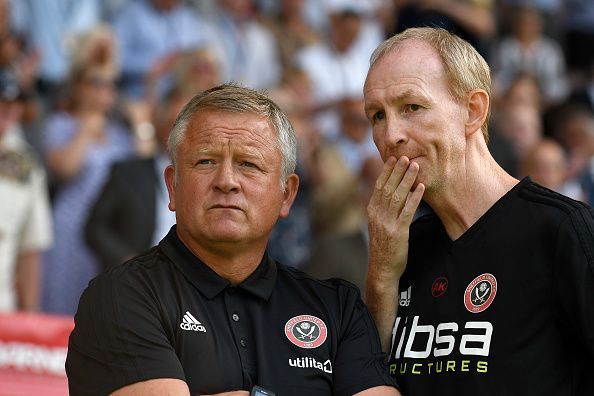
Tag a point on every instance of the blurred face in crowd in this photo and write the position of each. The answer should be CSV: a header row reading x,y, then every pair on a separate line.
x,y
522,126
226,188
546,164
95,91
527,24
523,91
353,121
344,29
413,114
166,114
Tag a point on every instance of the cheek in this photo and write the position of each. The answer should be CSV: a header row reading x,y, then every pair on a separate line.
x,y
378,139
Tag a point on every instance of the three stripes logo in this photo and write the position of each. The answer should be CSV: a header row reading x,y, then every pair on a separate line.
x,y
191,323
405,297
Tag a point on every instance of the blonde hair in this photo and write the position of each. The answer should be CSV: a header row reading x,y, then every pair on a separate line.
x,y
465,68
95,49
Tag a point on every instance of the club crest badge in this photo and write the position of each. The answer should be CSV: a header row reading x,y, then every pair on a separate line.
x,y
480,293
306,331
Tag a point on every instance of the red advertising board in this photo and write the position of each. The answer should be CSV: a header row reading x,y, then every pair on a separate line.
x,y
32,354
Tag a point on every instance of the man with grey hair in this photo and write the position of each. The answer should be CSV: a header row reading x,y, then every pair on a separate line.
x,y
207,311
491,293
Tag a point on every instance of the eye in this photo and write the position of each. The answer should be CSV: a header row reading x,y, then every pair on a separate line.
x,y
248,164
411,108
204,161
378,116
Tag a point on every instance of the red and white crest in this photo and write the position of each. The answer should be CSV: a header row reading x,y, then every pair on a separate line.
x,y
480,293
306,331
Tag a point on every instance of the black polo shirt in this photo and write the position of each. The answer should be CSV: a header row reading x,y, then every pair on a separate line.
x,y
165,314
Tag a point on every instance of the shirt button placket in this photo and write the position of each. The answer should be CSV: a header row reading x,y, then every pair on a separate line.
x,y
231,301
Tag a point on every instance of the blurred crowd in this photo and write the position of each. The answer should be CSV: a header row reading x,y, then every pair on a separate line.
x,y
90,88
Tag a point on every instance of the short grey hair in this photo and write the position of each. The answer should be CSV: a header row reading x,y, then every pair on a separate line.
x,y
465,68
237,99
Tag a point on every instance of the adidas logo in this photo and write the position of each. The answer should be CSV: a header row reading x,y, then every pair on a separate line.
x,y
405,297
191,323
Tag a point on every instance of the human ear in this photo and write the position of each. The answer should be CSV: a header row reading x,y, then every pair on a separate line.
x,y
291,187
478,109
170,182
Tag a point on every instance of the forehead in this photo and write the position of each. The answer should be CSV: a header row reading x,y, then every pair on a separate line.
x,y
208,127
412,65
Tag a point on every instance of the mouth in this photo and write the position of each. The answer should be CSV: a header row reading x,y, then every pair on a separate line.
x,y
231,207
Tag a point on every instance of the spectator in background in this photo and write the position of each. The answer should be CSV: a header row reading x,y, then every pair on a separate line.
x,y
81,143
523,92
355,142
547,165
291,239
196,70
549,10
52,27
191,71
14,52
579,38
337,66
339,246
473,20
574,129
131,213
521,126
151,34
291,30
528,50
25,219
246,49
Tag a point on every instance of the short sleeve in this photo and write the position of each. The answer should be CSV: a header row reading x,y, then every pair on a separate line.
x,y
119,338
574,275
360,362
37,230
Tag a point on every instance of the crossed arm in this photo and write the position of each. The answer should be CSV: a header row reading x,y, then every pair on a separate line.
x,y
176,387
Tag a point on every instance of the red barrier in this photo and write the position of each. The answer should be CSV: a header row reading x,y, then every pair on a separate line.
x,y
32,354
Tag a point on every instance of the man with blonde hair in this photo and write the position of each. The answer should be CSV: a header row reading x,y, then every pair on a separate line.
x,y
491,293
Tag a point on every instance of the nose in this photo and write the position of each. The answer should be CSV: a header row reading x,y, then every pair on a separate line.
x,y
395,134
226,179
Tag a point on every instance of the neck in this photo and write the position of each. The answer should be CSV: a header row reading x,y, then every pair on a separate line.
x,y
231,261
466,195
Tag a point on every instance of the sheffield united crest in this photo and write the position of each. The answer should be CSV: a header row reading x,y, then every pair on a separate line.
x,y
480,293
306,331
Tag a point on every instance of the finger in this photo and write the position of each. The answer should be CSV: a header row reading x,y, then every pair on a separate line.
x,y
396,177
412,203
386,172
404,188
381,180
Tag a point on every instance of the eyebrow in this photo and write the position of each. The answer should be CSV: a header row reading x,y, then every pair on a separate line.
x,y
407,93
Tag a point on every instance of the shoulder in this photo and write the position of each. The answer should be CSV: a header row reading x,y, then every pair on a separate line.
x,y
553,204
570,221
333,289
132,279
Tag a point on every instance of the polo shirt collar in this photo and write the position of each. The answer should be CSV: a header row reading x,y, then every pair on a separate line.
x,y
260,283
